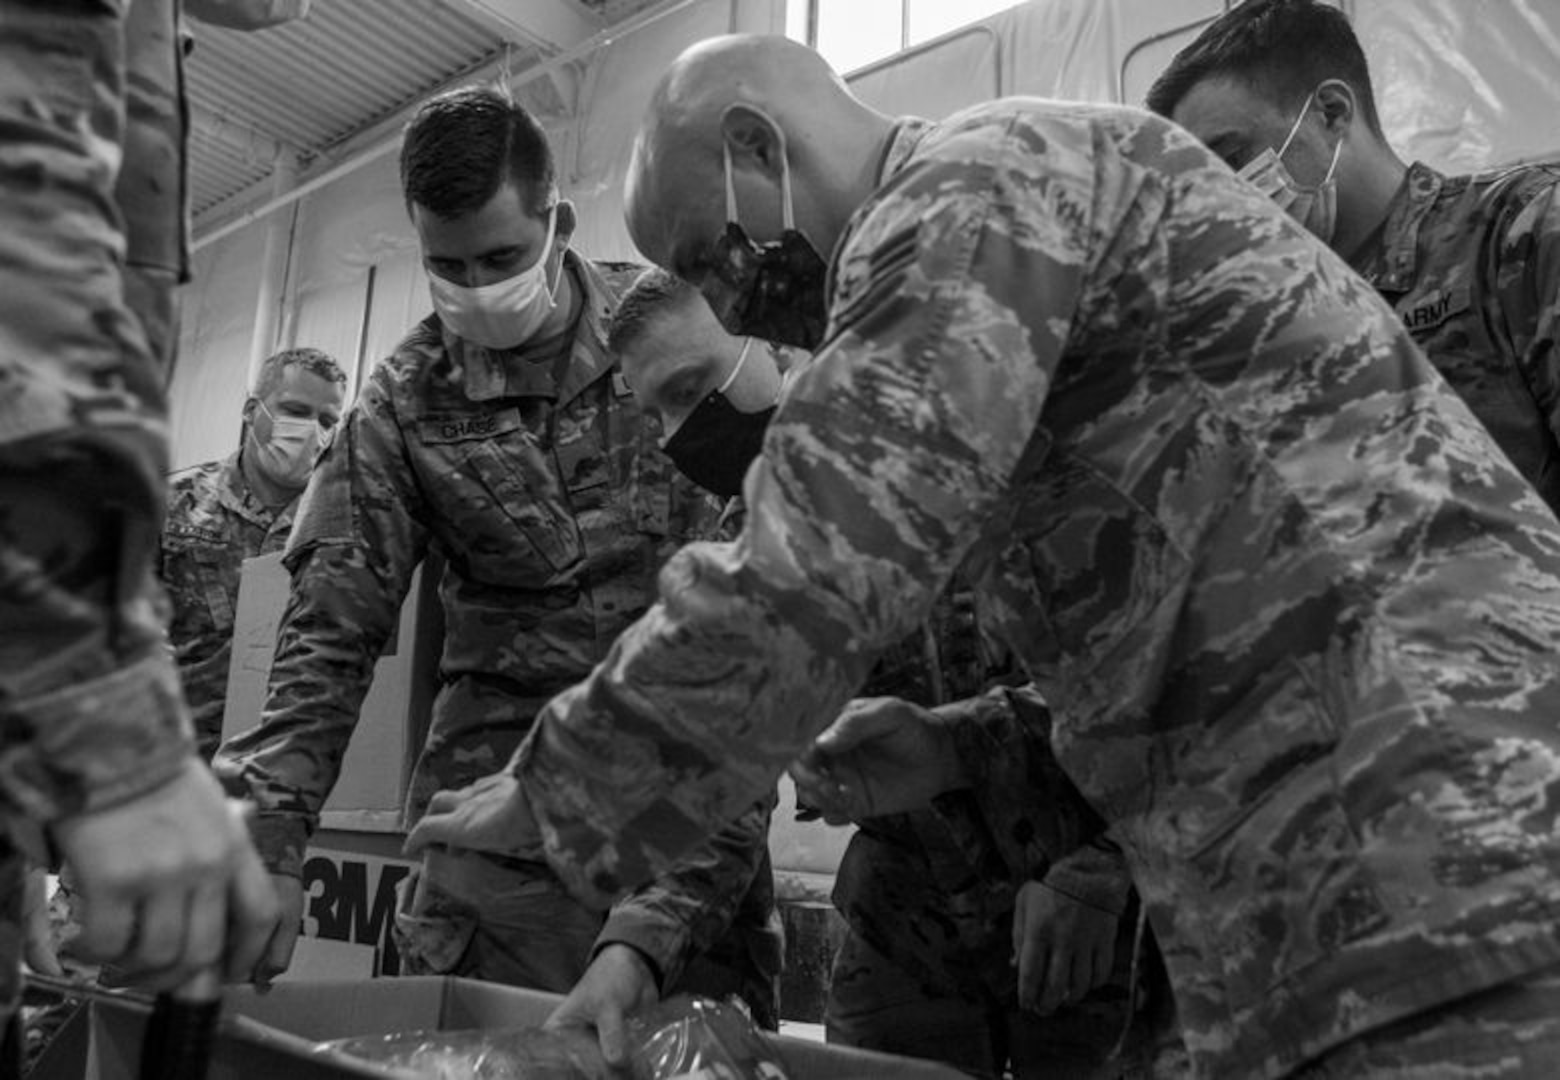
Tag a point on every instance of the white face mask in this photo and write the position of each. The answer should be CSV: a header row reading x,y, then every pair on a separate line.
x,y
506,313
287,457
1317,207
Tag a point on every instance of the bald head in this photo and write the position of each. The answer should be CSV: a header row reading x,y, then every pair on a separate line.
x,y
775,105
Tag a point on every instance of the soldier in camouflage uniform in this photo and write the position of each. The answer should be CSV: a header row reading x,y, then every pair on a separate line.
x,y
97,761
1471,264
500,436
224,512
1294,615
925,969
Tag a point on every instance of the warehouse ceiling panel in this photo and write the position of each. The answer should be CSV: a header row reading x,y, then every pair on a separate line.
x,y
310,91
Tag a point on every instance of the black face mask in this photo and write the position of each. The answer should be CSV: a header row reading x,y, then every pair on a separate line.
x,y
716,443
774,290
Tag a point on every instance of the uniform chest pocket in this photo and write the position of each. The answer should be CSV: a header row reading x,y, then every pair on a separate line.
x,y
501,499
521,492
200,572
586,472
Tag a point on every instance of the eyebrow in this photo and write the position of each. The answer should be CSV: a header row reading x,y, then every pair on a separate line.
x,y
501,249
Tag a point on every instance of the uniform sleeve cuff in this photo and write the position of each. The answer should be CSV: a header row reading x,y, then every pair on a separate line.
x,y
280,840
664,946
97,743
1095,875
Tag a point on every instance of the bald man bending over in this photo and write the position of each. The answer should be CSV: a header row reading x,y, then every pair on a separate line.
x,y
1294,614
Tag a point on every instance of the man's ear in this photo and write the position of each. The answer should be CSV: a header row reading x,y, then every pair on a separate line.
x,y
753,138
567,221
1339,107
247,418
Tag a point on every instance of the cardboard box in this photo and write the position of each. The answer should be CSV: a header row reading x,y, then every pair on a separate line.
x,y
348,910
394,719
102,1041
275,1035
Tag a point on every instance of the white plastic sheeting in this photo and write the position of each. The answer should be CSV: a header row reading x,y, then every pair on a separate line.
x,y
1461,85
217,321
1465,85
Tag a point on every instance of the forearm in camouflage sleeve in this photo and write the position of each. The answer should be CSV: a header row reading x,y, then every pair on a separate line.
x,y
338,618
689,908
1034,814
90,710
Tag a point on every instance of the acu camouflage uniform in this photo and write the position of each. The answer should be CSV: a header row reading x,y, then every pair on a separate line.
x,y
1293,613
536,476
214,524
1472,265
90,709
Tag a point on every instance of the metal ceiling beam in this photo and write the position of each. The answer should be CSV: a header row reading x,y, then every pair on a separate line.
x,y
553,25
241,138
384,138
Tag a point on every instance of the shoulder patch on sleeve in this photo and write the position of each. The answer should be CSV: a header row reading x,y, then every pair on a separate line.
x,y
864,281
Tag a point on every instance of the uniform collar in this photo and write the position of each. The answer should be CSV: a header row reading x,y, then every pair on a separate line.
x,y
1391,260
907,135
489,374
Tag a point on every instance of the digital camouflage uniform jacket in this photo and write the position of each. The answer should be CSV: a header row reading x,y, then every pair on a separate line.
x,y
214,524
90,710
1472,265
552,510
1293,612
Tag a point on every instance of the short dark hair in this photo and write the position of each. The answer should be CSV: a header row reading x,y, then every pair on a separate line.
x,y
1283,49
311,360
653,294
461,147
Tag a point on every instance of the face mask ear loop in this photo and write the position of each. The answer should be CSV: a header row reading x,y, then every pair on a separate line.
x,y
786,216
731,189
1337,149
552,227
1296,126
741,359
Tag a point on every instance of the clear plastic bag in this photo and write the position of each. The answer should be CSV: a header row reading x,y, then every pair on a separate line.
x,y
486,1054
692,1038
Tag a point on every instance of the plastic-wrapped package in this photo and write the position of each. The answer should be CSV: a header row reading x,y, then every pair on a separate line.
x,y
486,1054
692,1038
